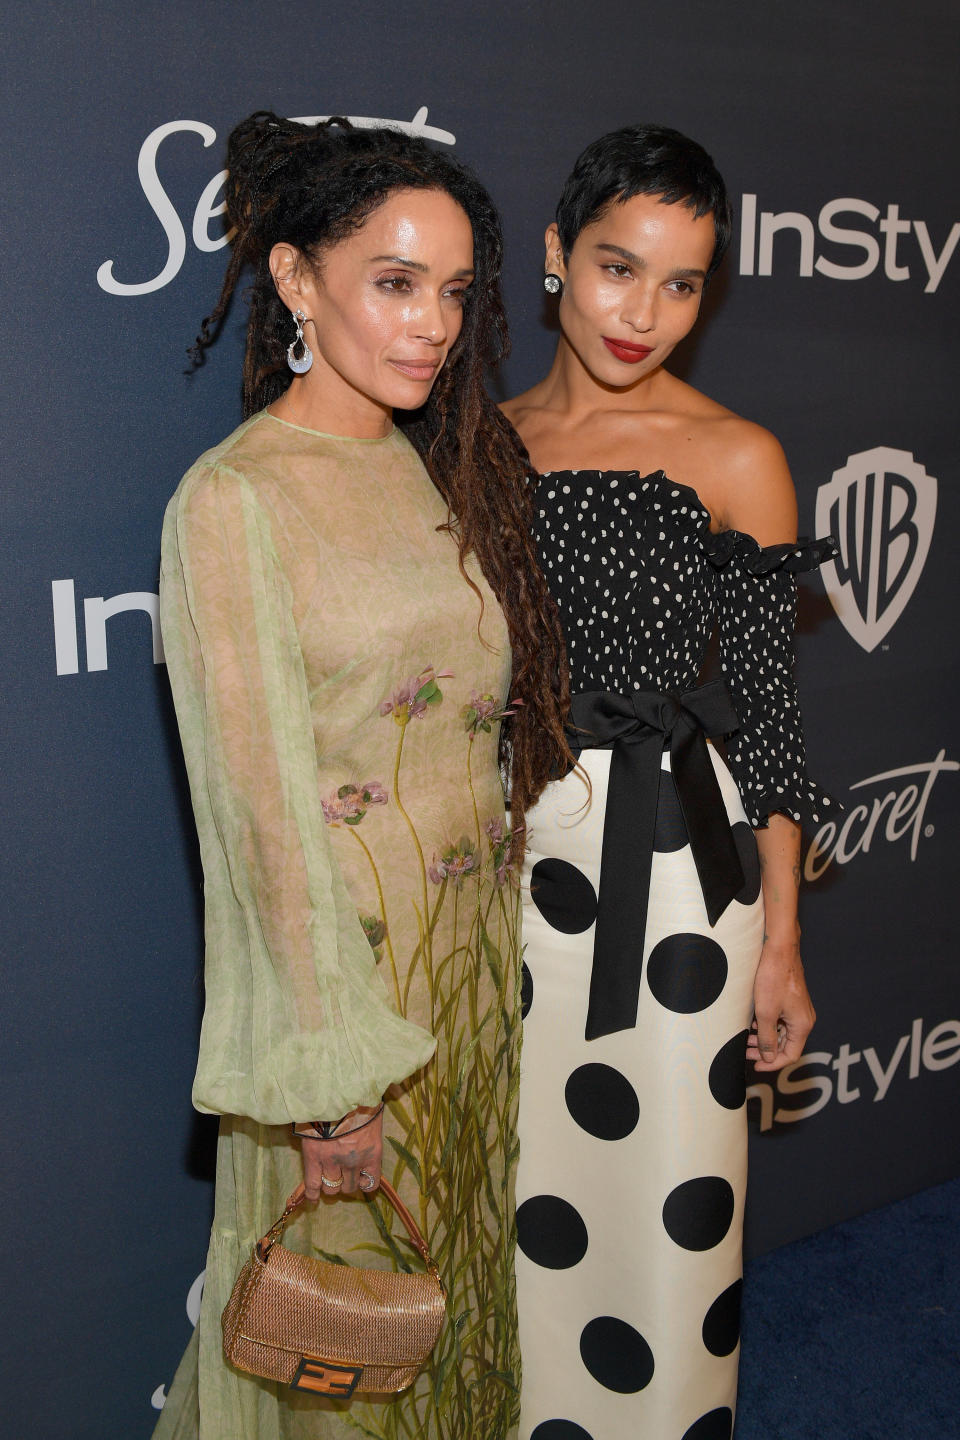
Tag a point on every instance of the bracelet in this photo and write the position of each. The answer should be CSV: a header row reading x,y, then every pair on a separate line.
x,y
327,1129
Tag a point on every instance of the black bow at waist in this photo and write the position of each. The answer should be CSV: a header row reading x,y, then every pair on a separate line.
x,y
637,728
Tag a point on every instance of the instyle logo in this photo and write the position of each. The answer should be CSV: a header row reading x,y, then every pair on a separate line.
x,y
97,610
893,807
799,249
810,1080
881,506
211,204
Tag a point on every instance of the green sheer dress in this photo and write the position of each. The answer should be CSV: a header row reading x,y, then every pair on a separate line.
x,y
338,692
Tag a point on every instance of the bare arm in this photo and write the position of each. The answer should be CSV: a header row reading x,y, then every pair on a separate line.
x,y
784,1014
759,499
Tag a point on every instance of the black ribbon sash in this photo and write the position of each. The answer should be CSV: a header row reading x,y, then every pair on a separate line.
x,y
637,728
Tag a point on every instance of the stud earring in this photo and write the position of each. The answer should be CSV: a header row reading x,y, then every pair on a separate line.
x,y
552,284
301,363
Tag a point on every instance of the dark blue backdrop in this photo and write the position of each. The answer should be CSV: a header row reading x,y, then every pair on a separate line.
x,y
833,326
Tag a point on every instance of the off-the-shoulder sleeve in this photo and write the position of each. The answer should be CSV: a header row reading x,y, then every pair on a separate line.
x,y
297,1025
756,621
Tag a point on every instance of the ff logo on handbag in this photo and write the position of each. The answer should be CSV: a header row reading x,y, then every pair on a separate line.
x,y
326,1377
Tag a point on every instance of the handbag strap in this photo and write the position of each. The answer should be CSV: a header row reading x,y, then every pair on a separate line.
x,y
275,1232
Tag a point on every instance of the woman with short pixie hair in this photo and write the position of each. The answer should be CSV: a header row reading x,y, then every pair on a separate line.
x,y
652,974
357,638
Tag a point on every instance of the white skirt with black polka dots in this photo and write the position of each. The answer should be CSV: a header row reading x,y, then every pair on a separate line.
x,y
633,1146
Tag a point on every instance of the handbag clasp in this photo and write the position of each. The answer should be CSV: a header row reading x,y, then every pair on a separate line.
x,y
326,1377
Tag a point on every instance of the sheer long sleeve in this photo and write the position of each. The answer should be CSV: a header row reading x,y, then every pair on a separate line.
x,y
297,1024
757,595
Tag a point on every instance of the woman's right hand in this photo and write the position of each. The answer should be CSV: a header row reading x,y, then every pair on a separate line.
x,y
352,1157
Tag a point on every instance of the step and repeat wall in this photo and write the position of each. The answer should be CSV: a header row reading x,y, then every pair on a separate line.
x,y
834,324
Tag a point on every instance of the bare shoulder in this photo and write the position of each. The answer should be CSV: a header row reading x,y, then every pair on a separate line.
x,y
737,440
685,402
738,467
755,488
746,449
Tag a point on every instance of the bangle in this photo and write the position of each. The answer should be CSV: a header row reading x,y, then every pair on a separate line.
x,y
328,1129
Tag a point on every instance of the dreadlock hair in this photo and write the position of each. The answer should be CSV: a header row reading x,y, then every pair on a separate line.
x,y
311,186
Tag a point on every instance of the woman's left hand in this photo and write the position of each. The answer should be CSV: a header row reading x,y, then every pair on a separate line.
x,y
349,1161
783,1011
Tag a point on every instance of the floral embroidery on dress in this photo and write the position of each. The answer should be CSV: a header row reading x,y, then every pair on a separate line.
x,y
483,711
463,907
499,838
456,863
351,802
375,931
410,700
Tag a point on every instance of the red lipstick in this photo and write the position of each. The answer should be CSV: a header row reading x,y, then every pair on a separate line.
x,y
629,354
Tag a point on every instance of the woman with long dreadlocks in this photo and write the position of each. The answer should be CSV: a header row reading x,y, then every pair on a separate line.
x,y
360,644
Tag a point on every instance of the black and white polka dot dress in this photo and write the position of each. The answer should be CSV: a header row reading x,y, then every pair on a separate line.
x,y
633,1143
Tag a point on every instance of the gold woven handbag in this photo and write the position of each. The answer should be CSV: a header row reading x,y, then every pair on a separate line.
x,y
330,1328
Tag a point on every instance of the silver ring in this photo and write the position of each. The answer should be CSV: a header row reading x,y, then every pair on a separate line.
x,y
331,1184
370,1178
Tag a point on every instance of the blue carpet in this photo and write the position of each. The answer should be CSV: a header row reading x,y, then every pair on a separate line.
x,y
854,1333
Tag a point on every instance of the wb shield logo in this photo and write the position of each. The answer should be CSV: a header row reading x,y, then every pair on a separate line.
x,y
880,507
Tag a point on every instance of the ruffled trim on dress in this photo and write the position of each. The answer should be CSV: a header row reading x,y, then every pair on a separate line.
x,y
807,803
748,554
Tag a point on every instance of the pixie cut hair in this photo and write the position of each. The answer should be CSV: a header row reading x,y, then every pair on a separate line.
x,y
644,160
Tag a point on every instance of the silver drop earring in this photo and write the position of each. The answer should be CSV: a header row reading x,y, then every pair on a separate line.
x,y
552,284
301,363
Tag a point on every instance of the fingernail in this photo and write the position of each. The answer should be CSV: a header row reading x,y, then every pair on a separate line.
x,y
768,1054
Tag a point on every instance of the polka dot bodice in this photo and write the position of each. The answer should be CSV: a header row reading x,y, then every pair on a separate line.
x,y
642,583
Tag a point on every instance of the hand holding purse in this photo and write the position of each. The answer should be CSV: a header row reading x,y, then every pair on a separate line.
x,y
332,1329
